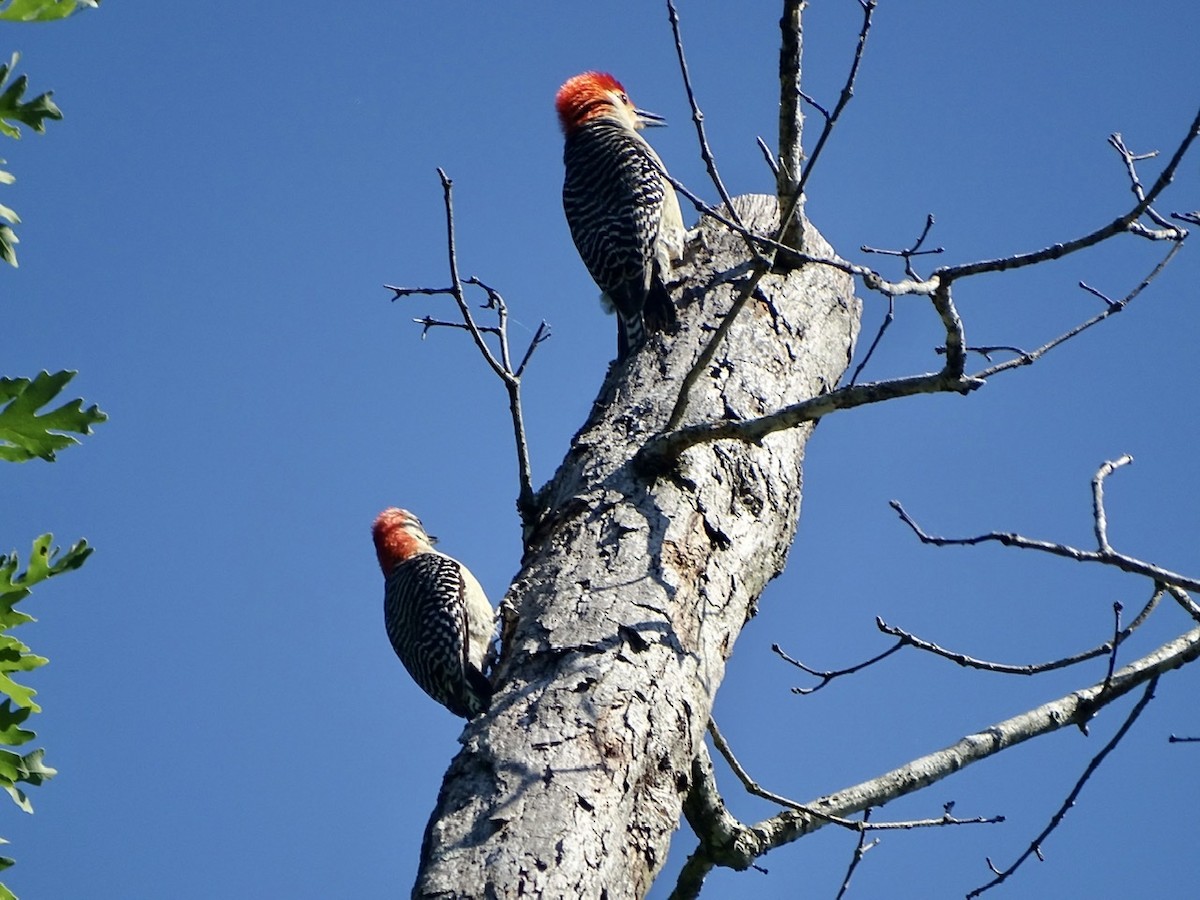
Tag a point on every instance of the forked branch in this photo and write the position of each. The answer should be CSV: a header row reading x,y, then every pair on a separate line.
x,y
1104,555
500,363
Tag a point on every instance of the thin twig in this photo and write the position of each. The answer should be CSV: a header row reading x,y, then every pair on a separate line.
x,y
706,153
860,850
828,676
1070,709
1010,539
1115,644
1135,184
1101,521
1059,250
425,291
795,202
429,322
502,366
888,319
970,662
456,283
1033,356
1035,846
772,162
789,232
907,255
1181,597
753,787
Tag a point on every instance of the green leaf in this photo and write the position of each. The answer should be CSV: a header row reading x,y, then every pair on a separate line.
x,y
8,252
45,561
35,771
33,113
11,732
10,766
29,769
24,434
13,110
22,695
44,10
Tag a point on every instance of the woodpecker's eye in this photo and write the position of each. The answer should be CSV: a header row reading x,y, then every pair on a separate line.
x,y
624,97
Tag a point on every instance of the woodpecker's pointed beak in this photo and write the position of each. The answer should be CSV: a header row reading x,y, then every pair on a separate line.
x,y
650,120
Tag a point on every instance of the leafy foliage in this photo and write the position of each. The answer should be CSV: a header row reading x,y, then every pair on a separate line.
x,y
33,113
24,434
43,11
13,110
16,769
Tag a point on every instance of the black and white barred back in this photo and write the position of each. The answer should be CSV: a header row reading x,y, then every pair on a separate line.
x,y
430,635
613,199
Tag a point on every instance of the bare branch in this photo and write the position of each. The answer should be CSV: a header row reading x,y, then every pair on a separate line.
x,y
790,231
669,446
706,153
791,121
691,877
1130,159
456,283
1181,597
888,319
1056,819
827,677
1075,708
1111,309
907,255
772,162
542,334
790,51
1118,225
860,851
1009,539
1101,521
753,787
915,250
970,662
502,366
1115,643
425,291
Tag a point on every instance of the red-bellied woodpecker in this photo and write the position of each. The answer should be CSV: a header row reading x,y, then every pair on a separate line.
x,y
438,619
622,211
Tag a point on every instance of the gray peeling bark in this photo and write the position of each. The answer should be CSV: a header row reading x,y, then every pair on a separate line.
x,y
633,592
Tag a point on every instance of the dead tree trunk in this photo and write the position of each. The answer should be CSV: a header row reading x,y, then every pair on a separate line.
x,y
634,590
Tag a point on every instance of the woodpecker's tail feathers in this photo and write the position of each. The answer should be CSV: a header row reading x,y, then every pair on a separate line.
x,y
477,697
659,311
658,314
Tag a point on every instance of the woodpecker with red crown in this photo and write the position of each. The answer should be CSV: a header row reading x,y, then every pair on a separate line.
x,y
622,211
438,619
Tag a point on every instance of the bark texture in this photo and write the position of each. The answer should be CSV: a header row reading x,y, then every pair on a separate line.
x,y
633,592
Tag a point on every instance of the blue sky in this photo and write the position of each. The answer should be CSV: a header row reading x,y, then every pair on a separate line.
x,y
205,238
